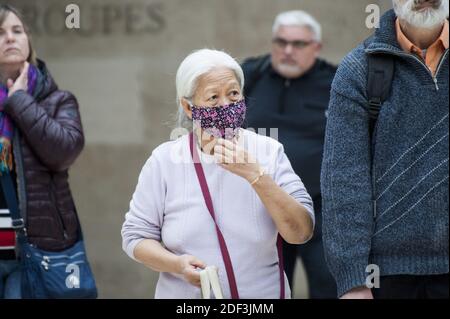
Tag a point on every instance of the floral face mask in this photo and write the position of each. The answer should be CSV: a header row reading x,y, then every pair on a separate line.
x,y
221,121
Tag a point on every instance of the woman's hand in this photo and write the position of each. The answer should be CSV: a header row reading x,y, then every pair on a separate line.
x,y
237,160
291,218
187,265
21,82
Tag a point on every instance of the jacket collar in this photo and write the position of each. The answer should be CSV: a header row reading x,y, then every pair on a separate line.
x,y
385,37
46,84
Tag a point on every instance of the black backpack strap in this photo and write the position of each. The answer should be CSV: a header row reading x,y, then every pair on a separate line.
x,y
379,82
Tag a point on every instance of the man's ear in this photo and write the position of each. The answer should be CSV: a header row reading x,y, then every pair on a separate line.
x,y
186,107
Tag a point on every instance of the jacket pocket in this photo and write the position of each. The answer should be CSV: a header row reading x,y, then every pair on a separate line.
x,y
52,193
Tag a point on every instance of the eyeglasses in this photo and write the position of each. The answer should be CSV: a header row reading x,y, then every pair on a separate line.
x,y
297,44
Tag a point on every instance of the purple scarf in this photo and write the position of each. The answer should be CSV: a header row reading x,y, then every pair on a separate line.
x,y
7,125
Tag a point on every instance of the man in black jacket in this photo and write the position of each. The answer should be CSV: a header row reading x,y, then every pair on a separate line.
x,y
288,90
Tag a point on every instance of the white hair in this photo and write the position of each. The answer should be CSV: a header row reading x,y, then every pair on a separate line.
x,y
195,65
298,18
426,19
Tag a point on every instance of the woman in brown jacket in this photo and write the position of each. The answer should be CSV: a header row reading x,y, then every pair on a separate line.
x,y
40,137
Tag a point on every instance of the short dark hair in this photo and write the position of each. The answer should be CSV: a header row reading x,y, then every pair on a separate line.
x,y
5,10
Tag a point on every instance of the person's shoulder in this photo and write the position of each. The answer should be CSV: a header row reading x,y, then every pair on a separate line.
x,y
351,75
165,148
357,56
166,152
253,60
65,95
251,64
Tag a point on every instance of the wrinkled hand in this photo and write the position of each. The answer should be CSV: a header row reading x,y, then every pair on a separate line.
x,y
235,159
187,268
358,293
21,82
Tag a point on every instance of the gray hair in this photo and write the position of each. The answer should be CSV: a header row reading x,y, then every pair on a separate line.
x,y
195,65
298,18
426,19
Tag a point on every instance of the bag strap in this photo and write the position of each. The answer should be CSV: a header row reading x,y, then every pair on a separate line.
x,y
223,246
207,196
281,266
379,82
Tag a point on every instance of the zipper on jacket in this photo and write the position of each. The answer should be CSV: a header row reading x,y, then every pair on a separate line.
x,y
441,62
408,55
436,84
20,179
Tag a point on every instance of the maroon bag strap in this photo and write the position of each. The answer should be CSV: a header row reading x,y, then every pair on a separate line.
x,y
223,246
281,266
209,205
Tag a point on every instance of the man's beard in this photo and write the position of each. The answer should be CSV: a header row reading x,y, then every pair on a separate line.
x,y
289,70
427,18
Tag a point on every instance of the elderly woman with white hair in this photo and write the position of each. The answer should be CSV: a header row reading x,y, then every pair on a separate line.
x,y
219,196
